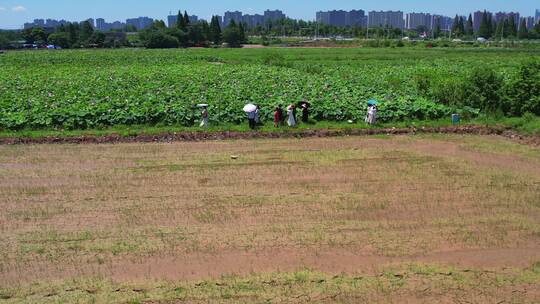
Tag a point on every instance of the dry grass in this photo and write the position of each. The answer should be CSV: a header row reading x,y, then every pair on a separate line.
x,y
188,211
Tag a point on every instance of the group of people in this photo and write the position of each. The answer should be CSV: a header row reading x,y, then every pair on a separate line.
x,y
291,116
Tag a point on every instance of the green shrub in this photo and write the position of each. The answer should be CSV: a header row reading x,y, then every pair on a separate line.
x,y
160,40
449,91
483,89
522,94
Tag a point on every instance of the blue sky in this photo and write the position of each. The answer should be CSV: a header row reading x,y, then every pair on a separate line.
x,y
13,13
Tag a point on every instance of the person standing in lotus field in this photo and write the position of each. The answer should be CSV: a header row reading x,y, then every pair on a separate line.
x,y
291,121
204,118
251,119
277,117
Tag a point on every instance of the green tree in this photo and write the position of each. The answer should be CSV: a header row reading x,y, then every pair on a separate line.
x,y
196,34
97,38
34,35
5,38
536,31
469,29
130,28
484,89
215,30
232,36
161,40
86,32
512,28
242,31
186,19
485,27
205,28
499,32
523,32
60,39
73,33
181,36
437,29
456,32
180,22
523,93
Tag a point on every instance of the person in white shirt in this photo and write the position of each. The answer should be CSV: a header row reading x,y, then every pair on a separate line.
x,y
291,121
204,118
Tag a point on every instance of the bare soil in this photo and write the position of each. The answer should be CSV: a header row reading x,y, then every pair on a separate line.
x,y
174,210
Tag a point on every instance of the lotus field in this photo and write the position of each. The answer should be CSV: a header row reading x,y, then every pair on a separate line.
x,y
100,88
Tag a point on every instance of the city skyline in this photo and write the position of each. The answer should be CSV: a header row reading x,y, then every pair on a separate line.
x,y
250,12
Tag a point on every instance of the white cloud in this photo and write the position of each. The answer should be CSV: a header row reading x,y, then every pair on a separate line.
x,y
18,8
2,9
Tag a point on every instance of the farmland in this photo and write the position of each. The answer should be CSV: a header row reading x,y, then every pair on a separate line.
x,y
426,218
95,89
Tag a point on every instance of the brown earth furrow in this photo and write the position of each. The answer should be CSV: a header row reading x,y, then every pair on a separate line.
x,y
231,135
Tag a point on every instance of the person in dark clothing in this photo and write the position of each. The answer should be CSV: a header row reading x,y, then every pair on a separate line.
x,y
281,114
277,118
305,113
251,119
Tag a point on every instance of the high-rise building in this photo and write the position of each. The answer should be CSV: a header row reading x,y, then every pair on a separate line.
x,y
342,18
171,20
477,19
386,19
140,23
416,20
500,16
273,15
253,20
323,17
51,23
445,22
337,18
537,16
91,21
39,22
116,25
514,16
100,24
229,16
357,18
529,22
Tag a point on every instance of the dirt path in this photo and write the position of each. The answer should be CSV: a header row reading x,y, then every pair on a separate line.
x,y
224,135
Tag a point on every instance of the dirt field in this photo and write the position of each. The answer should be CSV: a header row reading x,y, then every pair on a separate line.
x,y
426,218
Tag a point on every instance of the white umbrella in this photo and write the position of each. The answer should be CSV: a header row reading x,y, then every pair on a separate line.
x,y
250,108
202,105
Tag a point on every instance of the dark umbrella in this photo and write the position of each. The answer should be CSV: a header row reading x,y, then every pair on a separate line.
x,y
304,103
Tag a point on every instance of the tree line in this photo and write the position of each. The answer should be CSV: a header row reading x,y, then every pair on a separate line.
x,y
189,34
506,28
70,35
